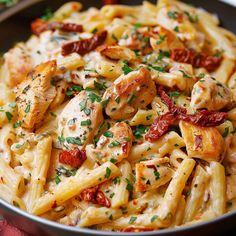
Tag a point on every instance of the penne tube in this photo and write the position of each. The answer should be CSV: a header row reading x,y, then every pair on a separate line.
x,y
39,174
217,188
74,185
197,191
173,193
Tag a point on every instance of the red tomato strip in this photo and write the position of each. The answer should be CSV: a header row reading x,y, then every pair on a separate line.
x,y
96,196
84,46
202,118
74,158
196,59
38,26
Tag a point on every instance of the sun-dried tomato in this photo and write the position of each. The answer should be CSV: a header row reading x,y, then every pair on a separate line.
x,y
190,56
102,199
95,196
38,26
84,46
74,158
136,230
160,126
203,118
89,194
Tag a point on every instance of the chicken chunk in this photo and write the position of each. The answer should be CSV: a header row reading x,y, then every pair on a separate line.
x,y
150,175
163,39
79,120
35,94
211,94
18,63
117,52
129,92
114,145
205,143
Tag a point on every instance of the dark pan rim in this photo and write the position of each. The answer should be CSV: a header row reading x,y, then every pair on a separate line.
x,y
161,232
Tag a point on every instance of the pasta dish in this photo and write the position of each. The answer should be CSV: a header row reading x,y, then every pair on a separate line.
x,y
121,118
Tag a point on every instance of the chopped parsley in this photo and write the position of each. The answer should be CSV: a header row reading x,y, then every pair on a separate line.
x,y
139,131
137,25
201,75
113,160
218,53
173,14
226,132
53,114
108,134
100,86
234,131
74,140
185,75
47,14
116,180
129,185
57,179
61,170
105,102
163,54
94,31
94,97
157,68
157,174
193,19
176,29
117,99
85,123
114,37
18,145
27,109
132,219
108,173
148,117
73,90
9,115
113,144
154,218
123,210
112,195
161,39
126,69
17,124
174,94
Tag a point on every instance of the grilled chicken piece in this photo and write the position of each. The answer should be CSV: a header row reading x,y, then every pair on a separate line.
x,y
114,145
128,93
211,94
18,63
35,94
150,175
163,39
205,143
117,52
79,120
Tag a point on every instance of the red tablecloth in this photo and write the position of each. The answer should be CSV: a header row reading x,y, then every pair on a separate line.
x,y
9,230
